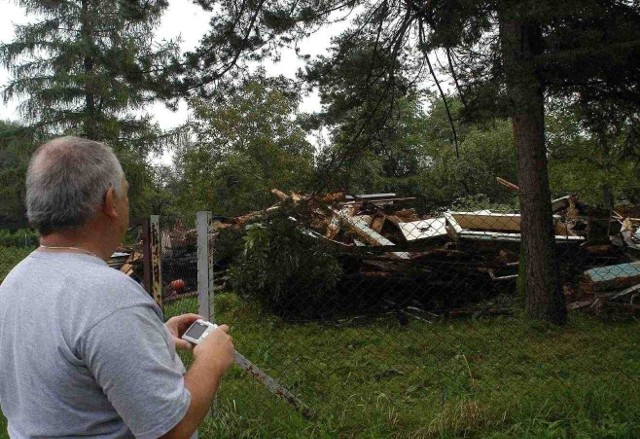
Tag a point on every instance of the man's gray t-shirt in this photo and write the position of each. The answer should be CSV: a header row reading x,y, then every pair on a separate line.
x,y
84,351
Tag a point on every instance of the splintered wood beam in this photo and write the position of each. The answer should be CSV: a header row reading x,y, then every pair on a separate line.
x,y
272,385
367,234
507,184
281,195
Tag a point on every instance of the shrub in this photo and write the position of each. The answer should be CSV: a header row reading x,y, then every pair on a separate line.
x,y
287,271
18,238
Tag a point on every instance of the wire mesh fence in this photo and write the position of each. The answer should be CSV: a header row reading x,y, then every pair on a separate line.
x,y
377,319
390,322
179,264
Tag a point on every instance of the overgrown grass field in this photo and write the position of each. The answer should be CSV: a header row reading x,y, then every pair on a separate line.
x,y
485,378
499,377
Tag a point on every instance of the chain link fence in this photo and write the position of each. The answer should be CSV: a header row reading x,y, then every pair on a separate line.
x,y
179,265
379,320
367,317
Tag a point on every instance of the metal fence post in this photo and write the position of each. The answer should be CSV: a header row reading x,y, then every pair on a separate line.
x,y
156,259
205,266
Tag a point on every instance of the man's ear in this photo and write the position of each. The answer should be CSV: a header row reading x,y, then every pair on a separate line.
x,y
109,207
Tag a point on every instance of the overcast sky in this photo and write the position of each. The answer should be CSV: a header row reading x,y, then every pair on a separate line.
x,y
183,19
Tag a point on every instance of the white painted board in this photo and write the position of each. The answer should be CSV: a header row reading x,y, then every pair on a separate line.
x,y
424,229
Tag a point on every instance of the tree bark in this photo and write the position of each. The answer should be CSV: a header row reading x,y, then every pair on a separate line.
x,y
521,41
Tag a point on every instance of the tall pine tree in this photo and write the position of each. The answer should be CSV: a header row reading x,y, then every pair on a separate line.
x,y
88,67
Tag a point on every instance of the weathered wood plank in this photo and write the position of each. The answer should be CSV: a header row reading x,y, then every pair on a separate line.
x,y
369,235
612,276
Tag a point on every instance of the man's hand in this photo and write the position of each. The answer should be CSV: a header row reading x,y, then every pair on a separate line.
x,y
178,325
216,349
213,356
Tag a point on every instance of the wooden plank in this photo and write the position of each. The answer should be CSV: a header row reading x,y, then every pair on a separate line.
x,y
625,292
452,226
378,222
369,235
495,222
366,219
612,276
425,229
510,237
381,201
461,225
272,385
370,196
507,184
451,220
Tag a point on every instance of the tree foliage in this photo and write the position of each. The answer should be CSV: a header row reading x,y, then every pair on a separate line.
x,y
89,68
85,66
16,146
276,259
593,162
245,145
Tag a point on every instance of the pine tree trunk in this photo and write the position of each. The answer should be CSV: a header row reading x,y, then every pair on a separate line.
x,y
520,42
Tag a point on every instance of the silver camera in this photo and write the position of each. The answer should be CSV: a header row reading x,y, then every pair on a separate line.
x,y
198,331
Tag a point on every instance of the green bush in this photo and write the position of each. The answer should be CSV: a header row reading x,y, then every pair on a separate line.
x,y
18,238
287,271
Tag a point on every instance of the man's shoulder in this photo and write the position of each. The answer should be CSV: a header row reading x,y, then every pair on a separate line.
x,y
81,277
110,284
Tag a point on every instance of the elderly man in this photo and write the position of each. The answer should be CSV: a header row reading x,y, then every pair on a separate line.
x,y
83,349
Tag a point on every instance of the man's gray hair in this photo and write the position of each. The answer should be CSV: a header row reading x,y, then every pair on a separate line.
x,y
66,183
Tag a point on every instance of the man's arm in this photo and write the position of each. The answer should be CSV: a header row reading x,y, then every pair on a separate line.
x,y
128,355
213,357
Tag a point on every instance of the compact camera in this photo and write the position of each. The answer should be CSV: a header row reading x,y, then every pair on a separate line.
x,y
198,331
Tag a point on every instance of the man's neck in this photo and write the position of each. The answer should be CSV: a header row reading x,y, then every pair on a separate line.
x,y
75,240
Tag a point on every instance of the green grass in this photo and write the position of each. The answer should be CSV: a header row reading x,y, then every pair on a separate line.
x,y
486,378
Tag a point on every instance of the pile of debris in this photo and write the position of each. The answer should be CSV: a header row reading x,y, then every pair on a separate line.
x,y
471,251
380,238
128,261
610,290
609,281
387,248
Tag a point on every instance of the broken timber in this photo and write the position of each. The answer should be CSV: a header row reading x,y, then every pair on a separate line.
x,y
497,227
507,184
610,277
366,233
